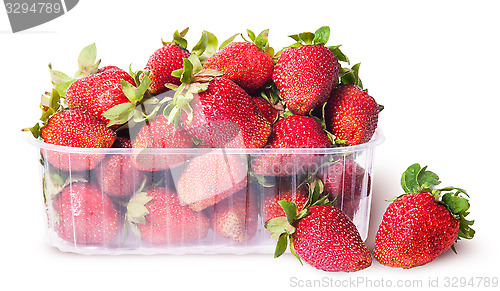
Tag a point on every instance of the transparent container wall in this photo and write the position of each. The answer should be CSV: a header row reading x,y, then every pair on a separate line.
x,y
178,201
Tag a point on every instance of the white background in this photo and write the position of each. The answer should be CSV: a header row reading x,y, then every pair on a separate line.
x,y
433,64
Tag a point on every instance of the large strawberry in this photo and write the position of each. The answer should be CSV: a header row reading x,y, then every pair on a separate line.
x,y
85,216
164,61
158,217
423,223
351,114
294,131
159,133
73,128
211,177
320,235
247,64
305,74
236,217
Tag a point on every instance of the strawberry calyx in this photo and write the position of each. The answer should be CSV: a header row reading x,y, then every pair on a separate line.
x,y
283,227
419,180
261,40
51,103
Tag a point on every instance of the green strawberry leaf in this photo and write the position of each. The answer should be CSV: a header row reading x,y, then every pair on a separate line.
x,y
292,250
409,180
455,203
339,54
87,61
321,35
307,37
119,114
201,46
290,210
262,40
279,225
228,41
281,245
251,35
427,179
179,38
136,209
57,77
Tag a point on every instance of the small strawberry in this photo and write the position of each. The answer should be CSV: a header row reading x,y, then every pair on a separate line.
x,y
270,207
117,175
211,177
248,64
159,133
158,217
236,217
423,223
321,235
305,74
267,109
85,215
294,131
343,180
351,114
164,61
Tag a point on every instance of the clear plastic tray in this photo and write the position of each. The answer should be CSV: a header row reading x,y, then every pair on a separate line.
x,y
93,197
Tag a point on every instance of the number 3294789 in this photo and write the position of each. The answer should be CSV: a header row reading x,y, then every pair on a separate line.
x,y
34,8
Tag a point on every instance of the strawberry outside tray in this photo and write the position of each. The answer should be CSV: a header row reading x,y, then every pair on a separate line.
x,y
191,201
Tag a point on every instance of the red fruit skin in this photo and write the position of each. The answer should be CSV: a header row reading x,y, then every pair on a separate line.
x,y
236,217
225,116
268,111
209,178
327,240
162,63
169,221
305,77
85,215
117,175
343,180
244,63
294,131
98,92
159,133
270,208
351,114
73,128
415,230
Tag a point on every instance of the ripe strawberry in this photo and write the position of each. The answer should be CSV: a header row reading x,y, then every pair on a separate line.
x,y
162,63
422,224
98,92
270,208
268,111
224,115
344,179
159,133
209,178
321,235
305,74
294,131
245,63
117,175
351,114
159,218
236,217
73,128
85,215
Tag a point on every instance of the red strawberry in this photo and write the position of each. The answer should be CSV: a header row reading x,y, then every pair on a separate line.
x,y
294,131
245,63
351,114
73,128
321,235
85,215
268,111
161,219
118,176
236,217
305,75
162,63
422,224
159,133
344,179
209,178
270,208
224,115
98,92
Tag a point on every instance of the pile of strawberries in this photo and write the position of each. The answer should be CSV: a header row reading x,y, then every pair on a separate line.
x,y
241,94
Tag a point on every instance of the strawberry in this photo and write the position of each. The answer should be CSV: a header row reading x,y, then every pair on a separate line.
x,y
270,208
351,114
320,235
294,131
211,177
159,133
85,215
246,63
270,113
117,175
73,128
99,92
423,223
159,218
236,217
162,63
305,74
343,180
